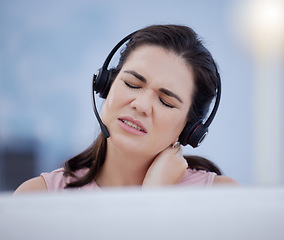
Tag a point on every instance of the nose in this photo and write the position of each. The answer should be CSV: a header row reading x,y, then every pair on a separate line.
x,y
143,103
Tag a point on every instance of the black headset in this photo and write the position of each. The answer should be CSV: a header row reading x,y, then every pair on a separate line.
x,y
192,134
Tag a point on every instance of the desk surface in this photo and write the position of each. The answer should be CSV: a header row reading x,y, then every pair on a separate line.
x,y
132,213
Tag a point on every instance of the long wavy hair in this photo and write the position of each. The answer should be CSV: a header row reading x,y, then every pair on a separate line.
x,y
184,42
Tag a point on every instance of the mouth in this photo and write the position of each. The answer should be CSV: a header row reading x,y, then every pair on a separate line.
x,y
131,124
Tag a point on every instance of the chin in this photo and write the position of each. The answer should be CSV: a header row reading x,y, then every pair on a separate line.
x,y
129,145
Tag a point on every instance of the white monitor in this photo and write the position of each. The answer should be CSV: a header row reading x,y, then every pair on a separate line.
x,y
158,213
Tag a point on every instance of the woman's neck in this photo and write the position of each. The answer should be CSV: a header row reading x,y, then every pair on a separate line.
x,y
120,169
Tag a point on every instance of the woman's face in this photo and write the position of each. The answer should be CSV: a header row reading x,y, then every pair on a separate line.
x,y
146,108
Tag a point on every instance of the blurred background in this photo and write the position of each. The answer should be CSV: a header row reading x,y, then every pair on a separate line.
x,y
49,51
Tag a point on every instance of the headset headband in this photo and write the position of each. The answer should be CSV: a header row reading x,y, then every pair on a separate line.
x,y
192,134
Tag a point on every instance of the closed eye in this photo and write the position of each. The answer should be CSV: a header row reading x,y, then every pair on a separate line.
x,y
166,104
131,85
138,87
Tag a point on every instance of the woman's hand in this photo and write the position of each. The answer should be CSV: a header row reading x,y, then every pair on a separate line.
x,y
167,168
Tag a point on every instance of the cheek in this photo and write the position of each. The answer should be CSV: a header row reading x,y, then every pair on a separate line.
x,y
114,101
107,105
172,125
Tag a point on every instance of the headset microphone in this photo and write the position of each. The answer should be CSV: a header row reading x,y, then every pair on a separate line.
x,y
102,126
101,82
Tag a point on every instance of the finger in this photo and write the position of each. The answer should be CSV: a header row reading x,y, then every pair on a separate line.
x,y
179,151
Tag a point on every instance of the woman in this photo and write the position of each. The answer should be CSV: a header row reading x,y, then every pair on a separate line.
x,y
165,79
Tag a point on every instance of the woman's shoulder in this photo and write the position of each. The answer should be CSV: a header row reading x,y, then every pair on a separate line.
x,y
202,177
57,180
48,181
198,177
218,180
33,184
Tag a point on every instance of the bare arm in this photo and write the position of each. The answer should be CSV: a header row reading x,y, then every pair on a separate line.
x,y
32,185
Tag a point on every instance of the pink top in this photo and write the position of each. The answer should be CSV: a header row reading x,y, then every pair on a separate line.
x,y
55,181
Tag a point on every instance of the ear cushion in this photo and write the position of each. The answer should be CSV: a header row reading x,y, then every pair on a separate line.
x,y
101,81
193,134
198,135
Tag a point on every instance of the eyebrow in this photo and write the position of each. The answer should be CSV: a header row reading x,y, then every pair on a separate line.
x,y
170,93
163,90
137,75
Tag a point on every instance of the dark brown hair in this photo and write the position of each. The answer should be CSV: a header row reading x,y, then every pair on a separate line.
x,y
184,42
